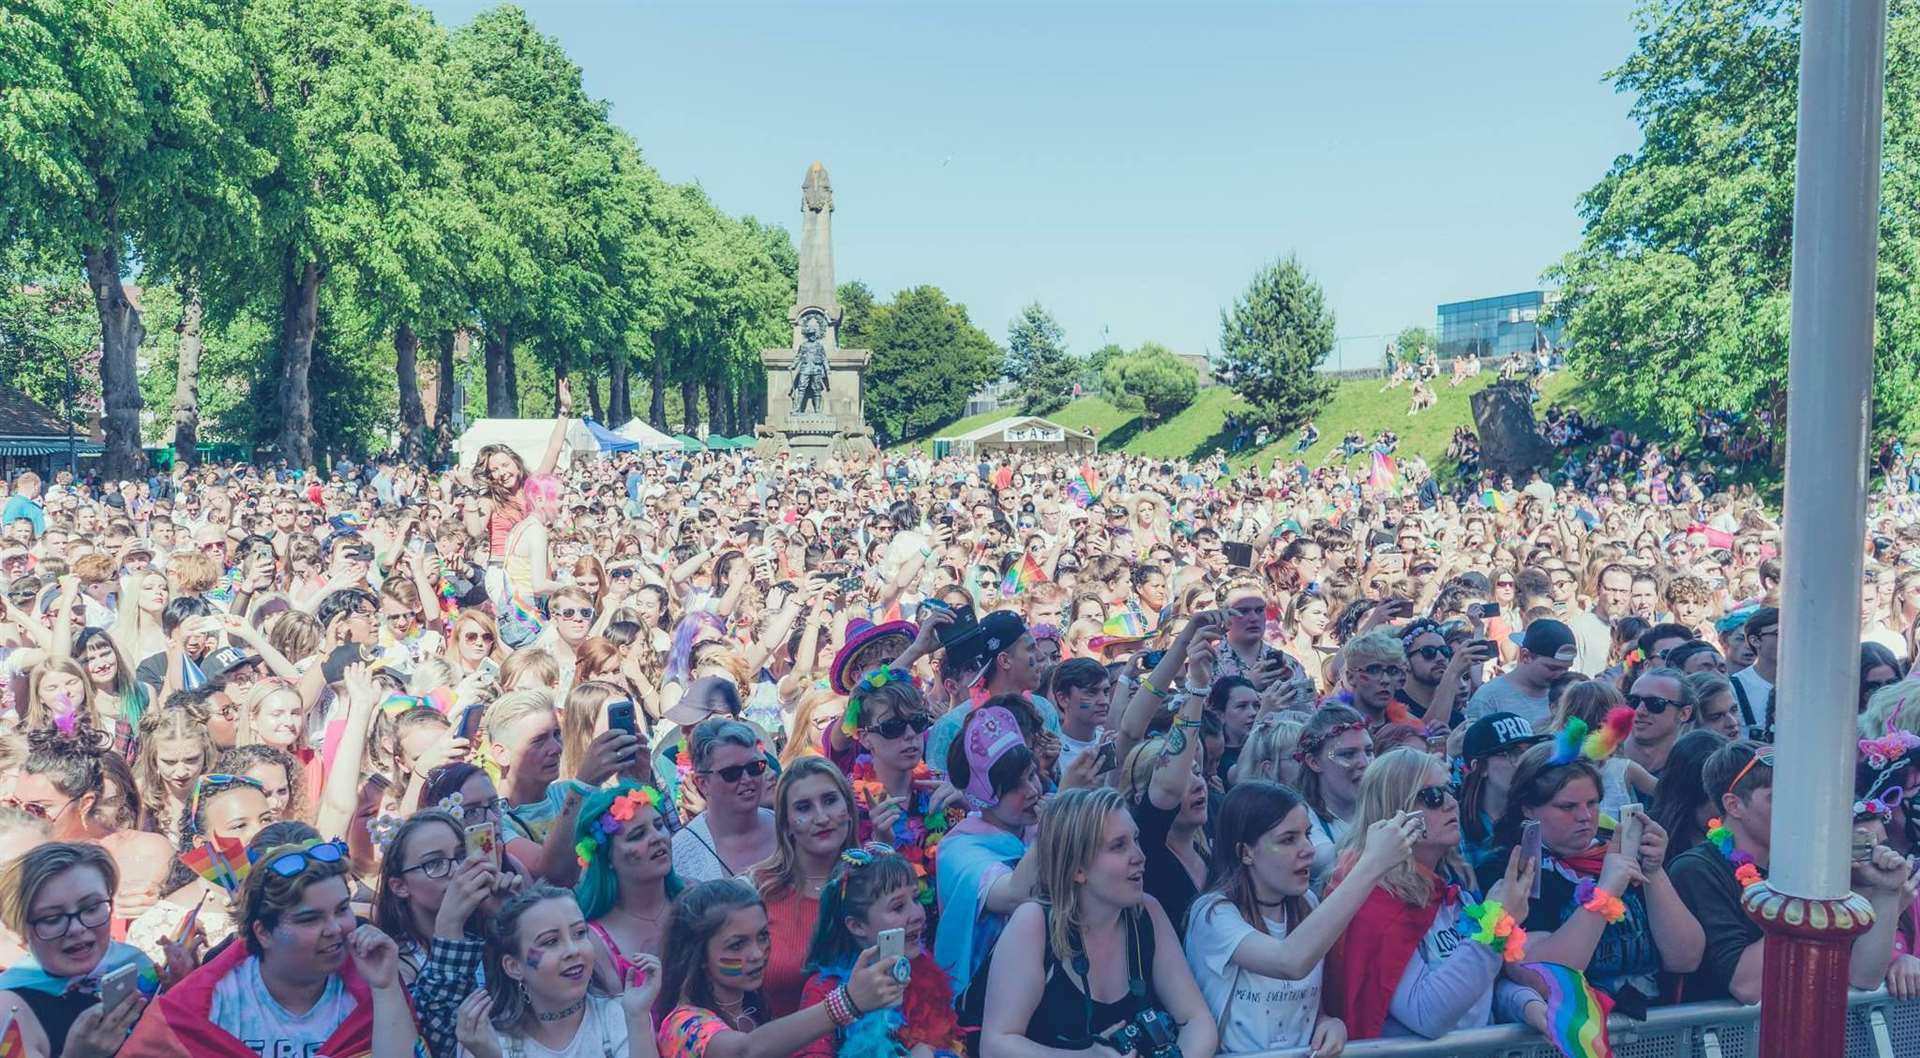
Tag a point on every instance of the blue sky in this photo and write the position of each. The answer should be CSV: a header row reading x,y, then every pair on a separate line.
x,y
1131,165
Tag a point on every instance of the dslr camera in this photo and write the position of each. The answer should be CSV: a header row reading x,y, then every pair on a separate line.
x,y
1148,1034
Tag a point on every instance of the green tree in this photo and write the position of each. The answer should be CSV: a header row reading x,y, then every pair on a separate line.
x,y
1677,297
928,358
1408,343
1151,379
1273,339
856,314
1038,361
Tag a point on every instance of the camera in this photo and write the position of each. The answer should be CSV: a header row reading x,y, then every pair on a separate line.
x,y
1148,1034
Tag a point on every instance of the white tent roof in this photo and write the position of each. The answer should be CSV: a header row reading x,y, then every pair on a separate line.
x,y
650,439
527,437
1022,428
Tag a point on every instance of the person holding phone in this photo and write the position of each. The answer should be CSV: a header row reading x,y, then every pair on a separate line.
x,y
1606,906
1246,651
901,800
59,899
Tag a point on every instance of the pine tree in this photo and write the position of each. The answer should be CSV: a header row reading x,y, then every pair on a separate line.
x,y
1038,361
1272,341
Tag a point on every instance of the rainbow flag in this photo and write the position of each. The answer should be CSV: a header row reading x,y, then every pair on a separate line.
x,y
440,698
222,861
1084,489
1385,476
1127,624
1022,577
1576,1011
1493,500
11,1044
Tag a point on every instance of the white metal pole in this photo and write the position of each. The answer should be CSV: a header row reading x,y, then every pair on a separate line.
x,y
1830,369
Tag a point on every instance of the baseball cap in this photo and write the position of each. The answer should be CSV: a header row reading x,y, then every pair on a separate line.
x,y
705,697
224,660
1497,731
995,633
1547,638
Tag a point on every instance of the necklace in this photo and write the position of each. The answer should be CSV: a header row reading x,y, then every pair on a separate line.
x,y
1745,870
814,886
563,1013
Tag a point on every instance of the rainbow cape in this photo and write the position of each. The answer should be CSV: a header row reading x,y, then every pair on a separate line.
x,y
1385,475
1576,1011
1022,577
1127,624
1493,500
11,1045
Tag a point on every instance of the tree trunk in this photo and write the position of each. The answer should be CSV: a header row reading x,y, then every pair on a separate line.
x,y
619,401
690,402
502,399
592,380
657,403
743,400
443,394
413,414
121,332
716,407
562,369
300,323
186,383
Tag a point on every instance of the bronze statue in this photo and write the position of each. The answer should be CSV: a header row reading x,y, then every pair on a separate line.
x,y
809,367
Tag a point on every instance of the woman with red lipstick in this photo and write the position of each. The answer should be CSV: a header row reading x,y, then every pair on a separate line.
x,y
539,999
59,899
814,822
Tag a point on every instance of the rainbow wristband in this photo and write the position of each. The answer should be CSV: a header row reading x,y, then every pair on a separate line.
x,y
1498,930
1592,898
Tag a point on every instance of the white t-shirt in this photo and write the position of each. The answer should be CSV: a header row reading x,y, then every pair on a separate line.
x,y
244,1009
1261,1013
1759,692
1326,835
695,856
1071,747
603,1031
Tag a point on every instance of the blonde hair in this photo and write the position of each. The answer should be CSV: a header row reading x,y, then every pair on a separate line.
x,y
779,874
800,739
22,880
37,715
257,696
585,703
1385,792
536,665
1272,740
1376,647
431,674
1071,826
511,708
1589,701
295,634
1892,708
192,572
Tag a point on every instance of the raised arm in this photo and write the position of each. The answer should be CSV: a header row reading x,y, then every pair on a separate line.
x,y
558,440
340,790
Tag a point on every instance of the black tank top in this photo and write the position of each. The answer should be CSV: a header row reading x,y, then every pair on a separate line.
x,y
57,1013
1067,1017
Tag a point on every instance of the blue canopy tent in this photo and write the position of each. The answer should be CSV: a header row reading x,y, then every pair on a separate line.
x,y
609,441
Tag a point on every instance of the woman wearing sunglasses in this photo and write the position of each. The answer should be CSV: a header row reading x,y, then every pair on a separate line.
x,y
59,899
729,770
223,808
814,820
903,802
305,980
1604,908
1411,963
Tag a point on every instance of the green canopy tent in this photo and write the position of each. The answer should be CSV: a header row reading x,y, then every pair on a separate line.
x,y
689,443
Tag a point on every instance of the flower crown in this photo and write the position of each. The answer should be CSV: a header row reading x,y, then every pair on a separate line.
x,y
1882,805
1880,752
615,819
382,830
1310,744
871,682
860,856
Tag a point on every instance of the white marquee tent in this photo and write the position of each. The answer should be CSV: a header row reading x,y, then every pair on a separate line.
x,y
651,440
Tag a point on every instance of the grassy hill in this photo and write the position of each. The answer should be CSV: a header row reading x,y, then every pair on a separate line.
x,y
1201,428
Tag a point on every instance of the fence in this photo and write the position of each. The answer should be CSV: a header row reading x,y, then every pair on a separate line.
x,y
1878,1026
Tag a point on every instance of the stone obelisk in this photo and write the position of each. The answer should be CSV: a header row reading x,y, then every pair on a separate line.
x,y
814,400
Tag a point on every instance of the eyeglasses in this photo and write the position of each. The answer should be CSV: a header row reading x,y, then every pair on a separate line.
x,y
293,861
218,782
476,637
38,810
472,813
621,574
1434,653
396,618
733,772
438,867
895,726
575,613
1431,796
56,925
1652,703
1385,671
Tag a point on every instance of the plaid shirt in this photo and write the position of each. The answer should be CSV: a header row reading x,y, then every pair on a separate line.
x,y
451,974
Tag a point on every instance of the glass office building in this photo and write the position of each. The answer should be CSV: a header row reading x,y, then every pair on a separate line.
x,y
1497,327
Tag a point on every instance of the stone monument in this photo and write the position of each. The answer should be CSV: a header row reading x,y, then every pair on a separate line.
x,y
1510,440
814,400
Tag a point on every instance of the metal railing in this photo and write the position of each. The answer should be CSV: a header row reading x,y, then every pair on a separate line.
x,y
1878,1026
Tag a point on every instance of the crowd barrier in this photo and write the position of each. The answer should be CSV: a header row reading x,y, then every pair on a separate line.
x,y
1878,1026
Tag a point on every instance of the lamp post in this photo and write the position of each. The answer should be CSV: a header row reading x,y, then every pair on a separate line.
x,y
1805,907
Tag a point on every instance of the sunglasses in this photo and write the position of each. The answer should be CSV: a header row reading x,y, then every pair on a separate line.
x,y
621,574
293,861
1434,653
476,637
575,613
896,726
734,772
1432,796
1651,703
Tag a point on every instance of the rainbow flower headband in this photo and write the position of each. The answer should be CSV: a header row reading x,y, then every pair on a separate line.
x,y
1881,806
615,819
1880,752
1574,741
872,681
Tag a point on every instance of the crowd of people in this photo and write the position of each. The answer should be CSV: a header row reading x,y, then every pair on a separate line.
x,y
725,755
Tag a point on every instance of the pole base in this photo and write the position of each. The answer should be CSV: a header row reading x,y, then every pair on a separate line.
x,y
1803,990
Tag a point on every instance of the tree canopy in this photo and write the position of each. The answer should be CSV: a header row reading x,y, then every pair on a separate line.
x,y
1038,361
928,358
1272,341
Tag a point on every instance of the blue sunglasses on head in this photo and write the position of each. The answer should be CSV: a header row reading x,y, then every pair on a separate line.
x,y
291,862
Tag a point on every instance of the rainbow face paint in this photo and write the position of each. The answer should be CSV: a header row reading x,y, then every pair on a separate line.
x,y
533,959
730,967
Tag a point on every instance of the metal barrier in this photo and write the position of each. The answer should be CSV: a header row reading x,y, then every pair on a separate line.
x,y
1878,1026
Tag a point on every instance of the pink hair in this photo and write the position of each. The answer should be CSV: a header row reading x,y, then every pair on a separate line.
x,y
542,492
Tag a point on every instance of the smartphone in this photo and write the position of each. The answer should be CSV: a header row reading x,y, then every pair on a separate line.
x,y
118,985
469,724
849,585
489,669
1633,823
963,623
1106,758
1239,555
483,843
1489,609
1151,659
1530,849
893,943
620,717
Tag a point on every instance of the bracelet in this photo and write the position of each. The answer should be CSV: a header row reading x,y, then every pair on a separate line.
x,y
1498,930
840,1007
1592,898
1147,685
851,1005
1181,721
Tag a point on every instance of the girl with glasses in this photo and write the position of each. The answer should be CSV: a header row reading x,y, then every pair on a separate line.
x,y
1411,963
59,899
814,821
729,770
305,979
902,801
626,876
224,807
1604,908
473,642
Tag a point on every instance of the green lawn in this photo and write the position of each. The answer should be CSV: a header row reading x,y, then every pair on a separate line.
x,y
1201,428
